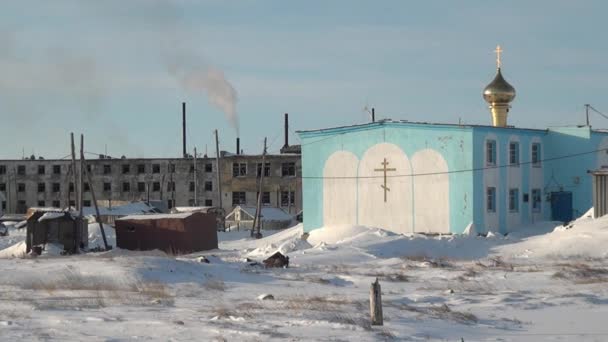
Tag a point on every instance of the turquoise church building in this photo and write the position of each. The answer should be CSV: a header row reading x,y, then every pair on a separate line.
x,y
410,177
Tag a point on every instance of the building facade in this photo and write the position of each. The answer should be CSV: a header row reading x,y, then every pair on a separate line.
x,y
438,178
48,183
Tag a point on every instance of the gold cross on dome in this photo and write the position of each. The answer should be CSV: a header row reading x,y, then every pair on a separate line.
x,y
498,52
385,169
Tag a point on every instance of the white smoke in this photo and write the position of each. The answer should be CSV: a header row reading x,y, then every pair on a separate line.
x,y
213,82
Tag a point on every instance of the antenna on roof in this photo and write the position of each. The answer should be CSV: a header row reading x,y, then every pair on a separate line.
x,y
587,107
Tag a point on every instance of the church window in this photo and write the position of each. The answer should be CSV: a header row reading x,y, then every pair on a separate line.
x,y
491,152
491,199
514,153
513,200
536,154
536,199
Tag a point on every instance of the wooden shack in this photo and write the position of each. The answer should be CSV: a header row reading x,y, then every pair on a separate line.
x,y
55,226
173,233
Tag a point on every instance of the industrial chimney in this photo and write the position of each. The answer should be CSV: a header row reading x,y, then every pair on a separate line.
x,y
238,145
184,129
286,130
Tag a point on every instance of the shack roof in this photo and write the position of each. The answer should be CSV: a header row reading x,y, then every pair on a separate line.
x,y
178,216
268,213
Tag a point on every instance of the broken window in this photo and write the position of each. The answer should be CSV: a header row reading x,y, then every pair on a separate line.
x,y
266,170
239,169
288,198
288,169
238,198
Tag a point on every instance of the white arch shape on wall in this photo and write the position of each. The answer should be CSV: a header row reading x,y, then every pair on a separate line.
x,y
431,192
340,193
394,212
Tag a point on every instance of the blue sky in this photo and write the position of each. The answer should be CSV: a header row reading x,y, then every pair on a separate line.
x,y
100,68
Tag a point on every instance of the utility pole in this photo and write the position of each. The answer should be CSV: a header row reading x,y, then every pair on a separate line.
x,y
80,176
587,113
195,181
75,179
98,217
256,220
218,170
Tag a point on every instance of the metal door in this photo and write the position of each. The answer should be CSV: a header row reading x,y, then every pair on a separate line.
x,y
561,206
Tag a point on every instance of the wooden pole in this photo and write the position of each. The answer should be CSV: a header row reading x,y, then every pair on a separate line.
x,y
195,181
80,177
75,176
218,170
375,303
256,220
103,233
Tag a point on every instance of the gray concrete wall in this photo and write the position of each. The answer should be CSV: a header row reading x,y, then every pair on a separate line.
x,y
155,170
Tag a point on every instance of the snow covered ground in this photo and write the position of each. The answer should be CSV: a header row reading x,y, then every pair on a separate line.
x,y
539,284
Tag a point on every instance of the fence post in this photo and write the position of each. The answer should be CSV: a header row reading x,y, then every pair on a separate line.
x,y
375,303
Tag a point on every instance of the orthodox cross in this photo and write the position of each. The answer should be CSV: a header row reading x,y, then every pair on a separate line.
x,y
498,52
385,169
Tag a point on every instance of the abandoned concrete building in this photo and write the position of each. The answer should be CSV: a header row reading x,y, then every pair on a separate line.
x,y
176,181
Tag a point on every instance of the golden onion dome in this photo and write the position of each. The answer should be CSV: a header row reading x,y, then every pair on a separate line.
x,y
499,90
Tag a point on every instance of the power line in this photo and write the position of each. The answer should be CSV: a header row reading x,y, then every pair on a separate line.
x,y
463,170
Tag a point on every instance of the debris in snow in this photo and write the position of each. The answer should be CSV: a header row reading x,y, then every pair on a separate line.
x,y
277,260
202,259
178,322
265,296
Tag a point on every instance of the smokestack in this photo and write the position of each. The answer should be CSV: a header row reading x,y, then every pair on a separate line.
x,y
286,130
373,114
238,145
184,128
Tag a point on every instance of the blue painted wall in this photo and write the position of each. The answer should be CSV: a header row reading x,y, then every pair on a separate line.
x,y
453,142
463,148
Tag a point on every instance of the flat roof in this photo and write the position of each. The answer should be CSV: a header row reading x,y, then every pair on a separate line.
x,y
406,122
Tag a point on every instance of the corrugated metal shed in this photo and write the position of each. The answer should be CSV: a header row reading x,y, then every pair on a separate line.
x,y
173,233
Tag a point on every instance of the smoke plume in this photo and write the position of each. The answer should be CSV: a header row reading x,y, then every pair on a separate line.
x,y
212,81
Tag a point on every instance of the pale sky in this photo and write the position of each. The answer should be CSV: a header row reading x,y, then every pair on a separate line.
x,y
103,68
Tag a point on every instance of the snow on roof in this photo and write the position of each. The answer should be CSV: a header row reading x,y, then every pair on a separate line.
x,y
268,213
156,216
51,215
121,210
192,209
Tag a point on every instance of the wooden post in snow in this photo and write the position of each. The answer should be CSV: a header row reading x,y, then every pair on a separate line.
x,y
375,303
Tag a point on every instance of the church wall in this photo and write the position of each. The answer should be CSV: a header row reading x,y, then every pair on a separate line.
x,y
453,145
503,177
570,174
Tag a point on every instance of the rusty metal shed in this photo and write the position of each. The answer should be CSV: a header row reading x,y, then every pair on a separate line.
x,y
173,233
